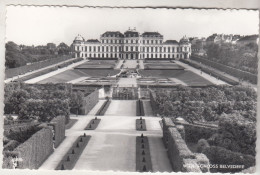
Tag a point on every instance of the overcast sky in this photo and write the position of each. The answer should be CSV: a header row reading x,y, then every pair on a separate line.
x,y
41,25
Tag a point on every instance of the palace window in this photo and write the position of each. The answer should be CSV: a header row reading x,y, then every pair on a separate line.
x,y
152,49
172,49
169,49
132,49
102,48
86,48
136,48
111,49
90,48
94,48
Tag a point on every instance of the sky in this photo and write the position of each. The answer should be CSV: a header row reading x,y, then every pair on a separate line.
x,y
30,25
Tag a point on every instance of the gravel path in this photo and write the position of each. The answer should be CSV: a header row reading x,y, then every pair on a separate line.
x,y
112,144
148,111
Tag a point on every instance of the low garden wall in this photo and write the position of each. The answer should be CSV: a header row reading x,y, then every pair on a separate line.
x,y
33,152
58,125
181,158
89,102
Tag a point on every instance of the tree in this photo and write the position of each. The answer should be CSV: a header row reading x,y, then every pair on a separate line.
x,y
76,101
17,101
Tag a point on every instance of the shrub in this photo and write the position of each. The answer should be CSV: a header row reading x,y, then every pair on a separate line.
x,y
11,145
222,156
202,144
237,134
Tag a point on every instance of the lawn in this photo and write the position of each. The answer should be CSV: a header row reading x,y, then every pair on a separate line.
x,y
77,73
163,65
188,77
98,64
151,65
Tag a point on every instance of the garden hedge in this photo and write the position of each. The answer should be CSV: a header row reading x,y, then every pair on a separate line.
x,y
102,110
36,149
58,124
230,70
211,72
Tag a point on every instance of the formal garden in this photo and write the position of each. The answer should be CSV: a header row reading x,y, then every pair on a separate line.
x,y
221,121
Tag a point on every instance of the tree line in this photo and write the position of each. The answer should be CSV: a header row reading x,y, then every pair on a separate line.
x,y
20,55
243,57
42,102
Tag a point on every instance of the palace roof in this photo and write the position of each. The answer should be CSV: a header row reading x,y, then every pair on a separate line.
x,y
112,34
171,42
151,34
93,41
131,33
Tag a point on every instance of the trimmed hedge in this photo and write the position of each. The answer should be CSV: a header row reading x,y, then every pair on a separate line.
x,y
143,156
93,124
140,125
167,122
180,156
71,157
36,149
34,66
102,110
58,124
45,71
178,150
230,70
211,72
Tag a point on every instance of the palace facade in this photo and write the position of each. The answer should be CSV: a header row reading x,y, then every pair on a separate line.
x,y
131,45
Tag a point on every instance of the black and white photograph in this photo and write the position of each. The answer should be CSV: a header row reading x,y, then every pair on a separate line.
x,y
130,89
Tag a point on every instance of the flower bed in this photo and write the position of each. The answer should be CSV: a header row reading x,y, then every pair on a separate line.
x,y
140,124
143,156
93,124
139,108
69,160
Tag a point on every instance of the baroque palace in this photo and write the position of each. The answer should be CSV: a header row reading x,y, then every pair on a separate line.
x,y
131,45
